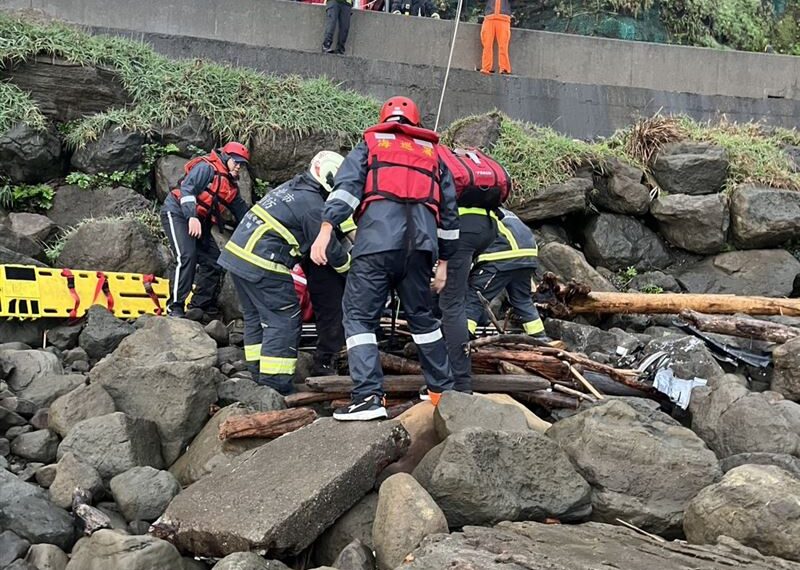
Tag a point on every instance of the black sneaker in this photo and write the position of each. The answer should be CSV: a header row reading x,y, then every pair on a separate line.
x,y
176,313
542,337
323,370
370,408
423,394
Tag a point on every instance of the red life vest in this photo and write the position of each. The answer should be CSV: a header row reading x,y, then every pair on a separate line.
x,y
303,295
222,190
403,166
481,182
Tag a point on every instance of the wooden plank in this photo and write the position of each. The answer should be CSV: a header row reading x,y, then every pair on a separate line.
x,y
412,384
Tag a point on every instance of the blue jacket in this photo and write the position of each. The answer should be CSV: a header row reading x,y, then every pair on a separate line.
x,y
391,226
513,248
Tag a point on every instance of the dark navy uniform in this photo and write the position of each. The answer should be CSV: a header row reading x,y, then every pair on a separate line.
x,y
269,241
508,264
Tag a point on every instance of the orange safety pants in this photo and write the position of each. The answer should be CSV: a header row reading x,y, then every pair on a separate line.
x,y
499,28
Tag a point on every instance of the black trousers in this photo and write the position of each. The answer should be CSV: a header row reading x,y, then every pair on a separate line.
x,y
336,13
476,234
195,264
326,288
370,279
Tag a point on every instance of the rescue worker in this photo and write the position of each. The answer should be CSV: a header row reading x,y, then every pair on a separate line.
x,y
266,245
404,202
423,8
496,26
326,290
508,264
187,216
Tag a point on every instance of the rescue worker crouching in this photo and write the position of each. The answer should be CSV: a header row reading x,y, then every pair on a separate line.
x,y
508,264
187,216
269,241
423,8
404,202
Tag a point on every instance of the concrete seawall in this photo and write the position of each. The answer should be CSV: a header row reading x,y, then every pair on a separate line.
x,y
581,86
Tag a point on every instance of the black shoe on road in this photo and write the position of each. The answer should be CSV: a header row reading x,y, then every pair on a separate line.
x,y
370,408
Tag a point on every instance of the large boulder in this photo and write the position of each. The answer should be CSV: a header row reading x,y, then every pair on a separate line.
x,y
26,510
480,476
788,463
733,420
534,422
169,169
588,339
114,443
458,411
111,549
73,204
143,493
278,157
44,390
757,505
12,547
245,391
164,373
695,223
248,561
72,474
621,190
355,556
591,546
479,131
688,357
406,514
742,273
292,503
125,245
569,263
693,168
649,280
65,90
10,257
207,452
47,557
85,402
114,150
30,156
355,525
36,227
193,131
764,217
555,201
618,242
786,378
28,366
642,469
40,446
103,332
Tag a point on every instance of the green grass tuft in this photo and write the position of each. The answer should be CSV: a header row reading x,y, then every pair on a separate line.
x,y
237,102
17,107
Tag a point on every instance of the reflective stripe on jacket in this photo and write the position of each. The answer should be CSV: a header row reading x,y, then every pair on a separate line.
x,y
514,247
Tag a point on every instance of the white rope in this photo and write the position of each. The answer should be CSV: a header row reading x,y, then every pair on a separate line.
x,y
449,62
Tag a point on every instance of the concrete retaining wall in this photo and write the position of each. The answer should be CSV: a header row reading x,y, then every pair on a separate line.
x,y
582,86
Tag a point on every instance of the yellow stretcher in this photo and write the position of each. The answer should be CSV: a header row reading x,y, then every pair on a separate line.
x,y
29,292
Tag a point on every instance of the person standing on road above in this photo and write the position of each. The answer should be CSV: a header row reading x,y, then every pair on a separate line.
x,y
404,201
337,12
496,26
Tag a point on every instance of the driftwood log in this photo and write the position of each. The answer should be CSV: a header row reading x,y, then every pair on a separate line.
x,y
674,303
392,364
266,424
550,367
547,399
412,384
740,326
304,398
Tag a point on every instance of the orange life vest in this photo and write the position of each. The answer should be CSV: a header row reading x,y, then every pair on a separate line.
x,y
223,188
402,166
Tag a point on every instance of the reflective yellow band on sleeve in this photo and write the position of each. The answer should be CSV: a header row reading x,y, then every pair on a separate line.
x,y
348,225
344,268
472,326
508,254
477,211
277,365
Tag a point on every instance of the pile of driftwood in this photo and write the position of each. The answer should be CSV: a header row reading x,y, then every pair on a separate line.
x,y
543,375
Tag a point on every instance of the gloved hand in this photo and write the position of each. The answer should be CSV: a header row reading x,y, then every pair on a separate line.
x,y
435,16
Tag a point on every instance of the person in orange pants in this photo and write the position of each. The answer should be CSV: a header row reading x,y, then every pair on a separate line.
x,y
496,26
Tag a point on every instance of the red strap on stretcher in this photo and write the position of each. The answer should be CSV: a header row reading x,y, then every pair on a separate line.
x,y
148,281
102,285
67,274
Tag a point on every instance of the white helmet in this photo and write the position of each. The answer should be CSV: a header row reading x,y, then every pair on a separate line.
x,y
324,167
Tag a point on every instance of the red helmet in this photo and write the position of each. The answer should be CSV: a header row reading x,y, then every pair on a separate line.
x,y
400,107
237,150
